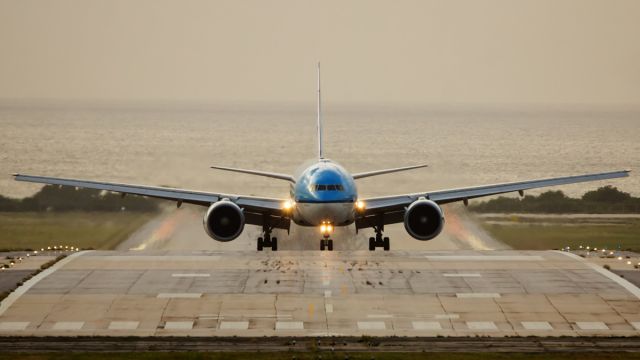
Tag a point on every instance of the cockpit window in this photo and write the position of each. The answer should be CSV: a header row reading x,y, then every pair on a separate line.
x,y
330,187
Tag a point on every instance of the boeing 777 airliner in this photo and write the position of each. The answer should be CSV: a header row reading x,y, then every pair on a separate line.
x,y
324,195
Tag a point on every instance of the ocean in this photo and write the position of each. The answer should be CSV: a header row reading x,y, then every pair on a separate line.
x,y
174,146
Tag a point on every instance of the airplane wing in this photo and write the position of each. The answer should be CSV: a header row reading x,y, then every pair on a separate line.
x,y
256,208
391,208
386,171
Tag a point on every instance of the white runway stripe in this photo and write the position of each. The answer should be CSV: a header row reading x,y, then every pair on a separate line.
x,y
234,325
536,325
371,325
289,325
178,325
190,275
461,275
13,325
481,325
68,325
123,325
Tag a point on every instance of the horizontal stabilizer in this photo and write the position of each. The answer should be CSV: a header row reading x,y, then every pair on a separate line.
x,y
259,173
386,171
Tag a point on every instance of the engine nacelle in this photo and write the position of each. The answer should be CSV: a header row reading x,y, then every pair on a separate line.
x,y
224,221
424,219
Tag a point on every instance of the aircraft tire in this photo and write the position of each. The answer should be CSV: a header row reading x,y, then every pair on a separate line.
x,y
260,244
372,244
330,245
386,244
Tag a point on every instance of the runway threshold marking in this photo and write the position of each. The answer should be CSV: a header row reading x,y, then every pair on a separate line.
x,y
591,325
68,325
234,325
426,325
536,325
289,325
178,325
21,290
481,325
179,295
485,257
372,325
124,325
13,325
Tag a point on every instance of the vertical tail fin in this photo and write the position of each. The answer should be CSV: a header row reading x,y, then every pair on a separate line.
x,y
320,154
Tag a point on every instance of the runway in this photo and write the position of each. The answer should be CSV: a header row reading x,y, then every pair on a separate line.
x,y
309,293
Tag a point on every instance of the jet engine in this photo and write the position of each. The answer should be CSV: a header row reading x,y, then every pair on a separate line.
x,y
224,221
423,219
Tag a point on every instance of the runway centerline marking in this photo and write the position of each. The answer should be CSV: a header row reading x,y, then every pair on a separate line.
x,y
327,293
328,308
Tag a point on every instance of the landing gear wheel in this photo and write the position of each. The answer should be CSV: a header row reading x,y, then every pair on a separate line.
x,y
322,245
372,244
274,244
260,243
330,241
385,244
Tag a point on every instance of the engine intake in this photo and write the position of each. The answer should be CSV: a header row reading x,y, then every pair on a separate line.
x,y
224,221
424,219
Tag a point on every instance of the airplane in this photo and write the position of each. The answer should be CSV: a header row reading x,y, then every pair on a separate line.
x,y
322,194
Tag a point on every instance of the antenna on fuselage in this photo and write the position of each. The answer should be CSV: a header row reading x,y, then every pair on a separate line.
x,y
320,155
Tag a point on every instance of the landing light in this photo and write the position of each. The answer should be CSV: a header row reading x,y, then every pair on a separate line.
x,y
288,205
360,205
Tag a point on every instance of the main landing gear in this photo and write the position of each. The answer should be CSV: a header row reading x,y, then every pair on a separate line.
x,y
379,241
266,240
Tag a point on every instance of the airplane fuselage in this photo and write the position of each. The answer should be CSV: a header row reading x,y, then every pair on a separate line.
x,y
324,193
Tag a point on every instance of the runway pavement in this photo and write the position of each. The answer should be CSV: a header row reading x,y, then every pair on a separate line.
x,y
310,293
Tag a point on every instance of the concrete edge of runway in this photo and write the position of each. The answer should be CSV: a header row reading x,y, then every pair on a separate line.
x,y
323,344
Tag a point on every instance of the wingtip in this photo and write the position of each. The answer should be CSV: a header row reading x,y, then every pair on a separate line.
x,y
15,174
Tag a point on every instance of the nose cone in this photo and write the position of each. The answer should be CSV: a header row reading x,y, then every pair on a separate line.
x,y
325,183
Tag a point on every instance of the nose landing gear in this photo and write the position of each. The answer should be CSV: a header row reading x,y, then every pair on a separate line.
x,y
379,241
326,243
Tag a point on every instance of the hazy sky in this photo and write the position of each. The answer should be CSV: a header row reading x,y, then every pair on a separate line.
x,y
414,52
